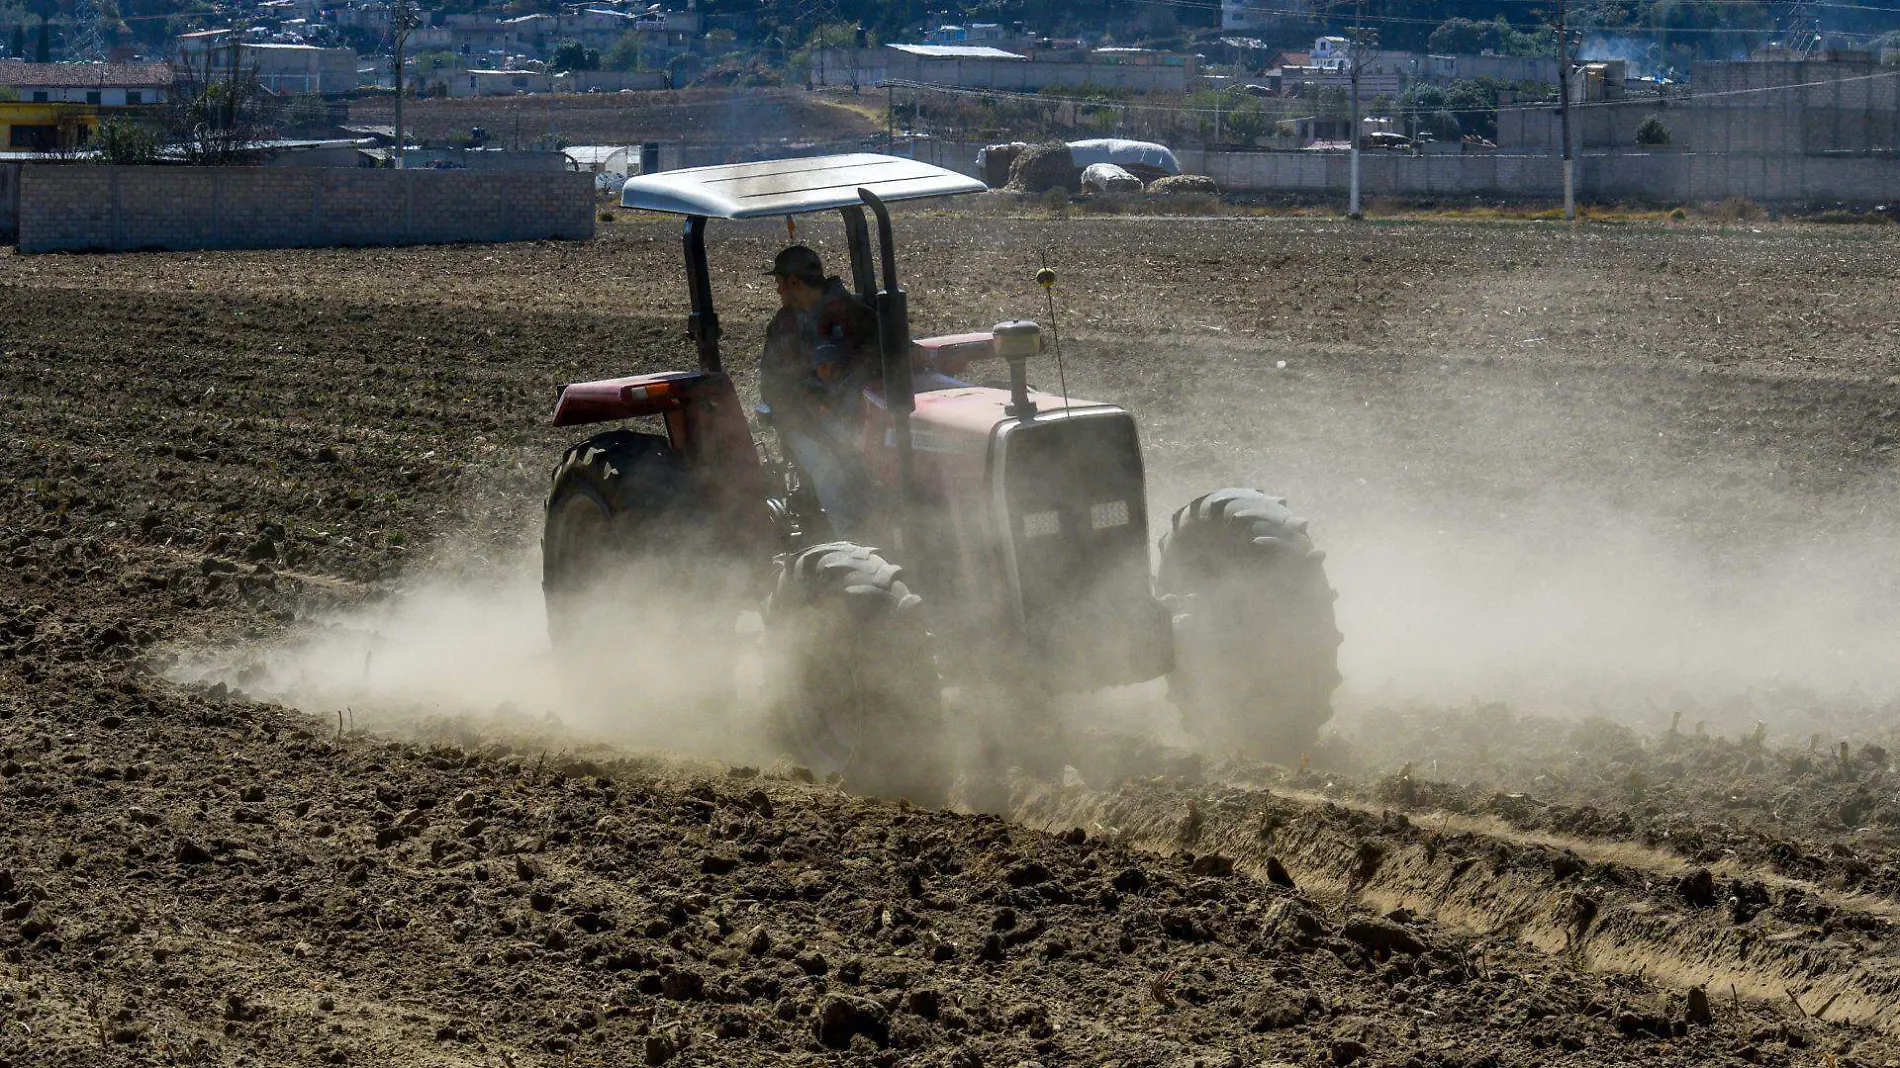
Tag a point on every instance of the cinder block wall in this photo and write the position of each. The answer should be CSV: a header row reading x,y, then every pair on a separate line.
x,y
89,207
9,200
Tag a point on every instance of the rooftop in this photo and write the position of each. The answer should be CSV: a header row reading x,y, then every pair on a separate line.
x,y
18,74
593,153
955,51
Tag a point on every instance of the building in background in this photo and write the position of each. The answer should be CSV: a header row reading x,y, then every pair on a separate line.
x,y
1138,70
280,68
107,85
499,83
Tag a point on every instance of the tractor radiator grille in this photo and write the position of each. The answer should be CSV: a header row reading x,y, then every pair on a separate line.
x,y
1075,501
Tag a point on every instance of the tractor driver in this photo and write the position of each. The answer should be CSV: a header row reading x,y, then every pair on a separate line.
x,y
820,350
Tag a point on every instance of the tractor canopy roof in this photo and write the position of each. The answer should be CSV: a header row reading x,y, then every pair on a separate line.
x,y
790,186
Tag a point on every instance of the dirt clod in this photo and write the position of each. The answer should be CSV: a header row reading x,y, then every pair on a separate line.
x,y
1382,936
840,1018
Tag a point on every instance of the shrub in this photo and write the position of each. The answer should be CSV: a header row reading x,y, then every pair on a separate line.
x,y
125,143
1738,209
1652,132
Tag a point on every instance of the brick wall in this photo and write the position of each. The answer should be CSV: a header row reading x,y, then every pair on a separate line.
x,y
89,207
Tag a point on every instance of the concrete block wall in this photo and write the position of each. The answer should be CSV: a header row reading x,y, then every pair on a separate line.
x,y
89,207
1811,107
9,201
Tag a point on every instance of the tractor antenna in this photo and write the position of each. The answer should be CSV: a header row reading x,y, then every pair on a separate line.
x,y
1046,278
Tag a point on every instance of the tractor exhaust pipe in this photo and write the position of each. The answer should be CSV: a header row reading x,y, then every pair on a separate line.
x,y
893,335
1016,341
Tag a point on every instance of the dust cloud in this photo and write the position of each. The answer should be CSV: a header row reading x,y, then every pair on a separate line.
x,y
1553,542
471,660
1492,539
1594,613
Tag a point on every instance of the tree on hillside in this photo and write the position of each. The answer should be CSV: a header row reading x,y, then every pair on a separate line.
x,y
1498,36
19,40
1463,107
626,53
571,55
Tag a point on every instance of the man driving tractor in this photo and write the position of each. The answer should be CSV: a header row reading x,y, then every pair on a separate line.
x,y
820,349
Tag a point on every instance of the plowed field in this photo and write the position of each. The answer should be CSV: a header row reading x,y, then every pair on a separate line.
x,y
287,775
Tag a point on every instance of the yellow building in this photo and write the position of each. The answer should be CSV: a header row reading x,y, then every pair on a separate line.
x,y
45,127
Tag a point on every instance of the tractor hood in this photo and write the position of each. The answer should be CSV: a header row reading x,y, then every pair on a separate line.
x,y
962,420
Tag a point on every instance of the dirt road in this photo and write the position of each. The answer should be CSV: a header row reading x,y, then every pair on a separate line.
x,y
1575,487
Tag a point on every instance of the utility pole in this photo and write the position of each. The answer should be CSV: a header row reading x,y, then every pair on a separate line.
x,y
401,21
1563,112
1357,53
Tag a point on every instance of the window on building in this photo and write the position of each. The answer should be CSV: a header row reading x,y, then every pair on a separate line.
x,y
92,96
39,96
33,138
134,97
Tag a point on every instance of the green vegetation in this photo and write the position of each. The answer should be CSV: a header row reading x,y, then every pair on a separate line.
x,y
1652,132
571,55
1466,37
120,141
1467,106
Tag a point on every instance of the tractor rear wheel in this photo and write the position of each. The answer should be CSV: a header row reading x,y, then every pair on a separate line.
x,y
618,500
1256,646
860,694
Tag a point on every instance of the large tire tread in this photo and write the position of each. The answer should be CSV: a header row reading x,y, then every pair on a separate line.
x,y
1256,641
861,694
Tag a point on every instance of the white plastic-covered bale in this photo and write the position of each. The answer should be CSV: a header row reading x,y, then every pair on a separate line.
x,y
1108,178
1144,159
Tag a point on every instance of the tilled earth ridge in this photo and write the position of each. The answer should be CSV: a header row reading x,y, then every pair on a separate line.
x,y
223,446
1600,902
1822,813
291,898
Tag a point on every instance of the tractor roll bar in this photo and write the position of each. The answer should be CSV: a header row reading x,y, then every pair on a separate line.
x,y
703,324
893,335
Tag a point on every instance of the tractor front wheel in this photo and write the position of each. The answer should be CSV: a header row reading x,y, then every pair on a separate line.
x,y
1256,647
858,693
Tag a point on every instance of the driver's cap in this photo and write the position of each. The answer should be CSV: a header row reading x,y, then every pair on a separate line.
x,y
799,261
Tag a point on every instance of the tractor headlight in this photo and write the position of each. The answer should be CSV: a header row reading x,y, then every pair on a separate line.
x,y
1042,524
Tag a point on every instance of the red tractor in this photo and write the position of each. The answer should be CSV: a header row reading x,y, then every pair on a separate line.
x,y
1013,548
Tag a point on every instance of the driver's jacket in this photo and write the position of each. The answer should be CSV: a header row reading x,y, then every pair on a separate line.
x,y
816,363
